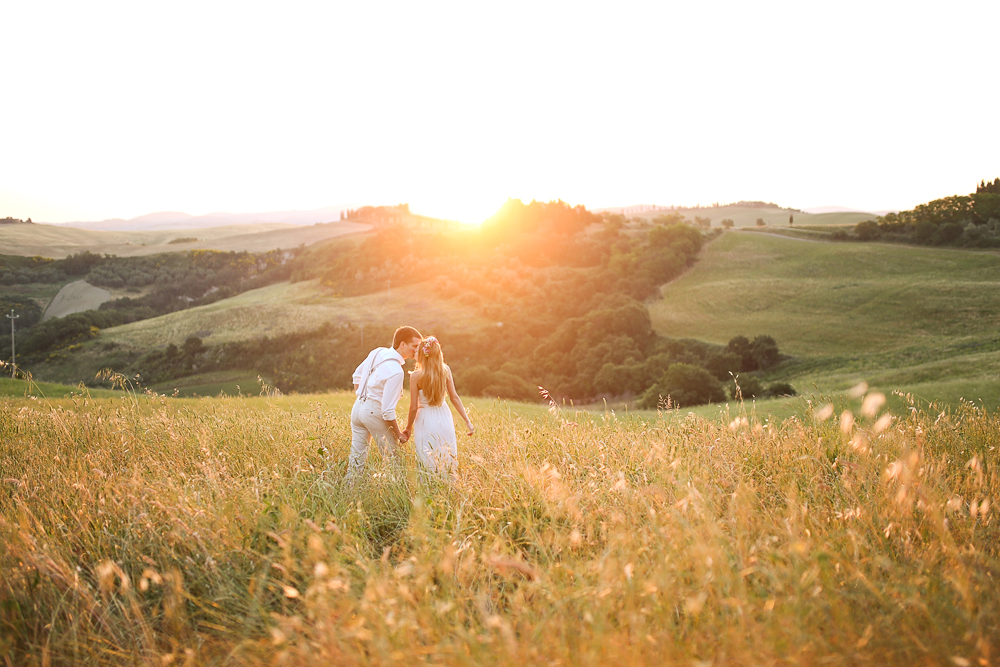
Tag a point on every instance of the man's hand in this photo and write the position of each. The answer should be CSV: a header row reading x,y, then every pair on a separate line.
x,y
394,427
404,436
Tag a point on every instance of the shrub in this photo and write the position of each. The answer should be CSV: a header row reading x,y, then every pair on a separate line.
x,y
867,230
686,385
778,389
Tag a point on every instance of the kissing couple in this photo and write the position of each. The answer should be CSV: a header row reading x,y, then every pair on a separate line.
x,y
378,384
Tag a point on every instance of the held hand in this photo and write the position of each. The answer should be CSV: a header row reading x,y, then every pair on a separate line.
x,y
404,436
471,428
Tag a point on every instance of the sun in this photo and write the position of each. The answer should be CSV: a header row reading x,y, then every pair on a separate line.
x,y
465,209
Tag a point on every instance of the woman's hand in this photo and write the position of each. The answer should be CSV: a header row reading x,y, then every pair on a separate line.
x,y
405,435
470,427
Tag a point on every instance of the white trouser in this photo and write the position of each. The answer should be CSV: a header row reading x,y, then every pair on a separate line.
x,y
367,422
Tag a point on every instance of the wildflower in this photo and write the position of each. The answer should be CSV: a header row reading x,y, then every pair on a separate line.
x,y
872,404
824,412
846,421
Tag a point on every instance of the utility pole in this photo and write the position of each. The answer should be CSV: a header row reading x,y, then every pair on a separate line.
x,y
13,357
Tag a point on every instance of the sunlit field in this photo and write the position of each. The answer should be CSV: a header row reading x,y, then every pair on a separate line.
x,y
148,530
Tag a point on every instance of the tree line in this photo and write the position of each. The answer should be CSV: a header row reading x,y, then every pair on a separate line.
x,y
971,221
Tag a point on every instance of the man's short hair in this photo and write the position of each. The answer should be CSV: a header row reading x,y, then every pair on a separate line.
x,y
404,335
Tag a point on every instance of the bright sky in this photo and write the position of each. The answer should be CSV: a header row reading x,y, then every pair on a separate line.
x,y
116,109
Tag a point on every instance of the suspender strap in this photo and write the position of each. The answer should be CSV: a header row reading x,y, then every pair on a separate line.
x,y
364,388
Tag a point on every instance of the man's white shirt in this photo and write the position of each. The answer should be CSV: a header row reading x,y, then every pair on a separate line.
x,y
385,382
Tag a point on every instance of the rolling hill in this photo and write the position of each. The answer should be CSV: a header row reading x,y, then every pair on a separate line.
x,y
746,216
922,320
286,308
165,220
916,319
59,241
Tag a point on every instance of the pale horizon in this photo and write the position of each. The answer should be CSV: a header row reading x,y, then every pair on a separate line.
x,y
118,110
807,209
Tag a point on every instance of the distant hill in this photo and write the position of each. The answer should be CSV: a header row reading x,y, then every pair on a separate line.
x,y
843,209
745,214
57,241
166,220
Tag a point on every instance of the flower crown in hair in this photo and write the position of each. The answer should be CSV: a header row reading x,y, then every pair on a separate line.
x,y
427,345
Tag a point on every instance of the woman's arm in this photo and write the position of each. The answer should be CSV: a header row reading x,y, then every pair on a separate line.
x,y
414,388
457,402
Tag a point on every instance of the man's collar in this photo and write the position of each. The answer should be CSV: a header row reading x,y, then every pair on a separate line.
x,y
397,356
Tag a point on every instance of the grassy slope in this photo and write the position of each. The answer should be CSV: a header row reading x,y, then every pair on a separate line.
x,y
920,320
269,311
917,319
58,242
290,307
744,216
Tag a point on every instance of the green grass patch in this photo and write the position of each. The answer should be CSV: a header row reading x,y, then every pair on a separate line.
x,y
226,383
924,319
30,388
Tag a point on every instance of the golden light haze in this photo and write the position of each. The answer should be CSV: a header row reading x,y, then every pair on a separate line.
x,y
116,109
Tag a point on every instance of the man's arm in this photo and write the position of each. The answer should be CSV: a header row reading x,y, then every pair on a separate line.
x,y
391,394
414,379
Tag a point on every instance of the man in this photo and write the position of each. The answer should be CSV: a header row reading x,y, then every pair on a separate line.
x,y
378,383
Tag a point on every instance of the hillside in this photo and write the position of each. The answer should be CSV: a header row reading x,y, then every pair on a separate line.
x,y
164,220
58,241
287,308
540,295
746,216
915,319
924,320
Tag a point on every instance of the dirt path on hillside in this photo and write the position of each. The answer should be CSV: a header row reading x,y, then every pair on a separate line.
x,y
76,297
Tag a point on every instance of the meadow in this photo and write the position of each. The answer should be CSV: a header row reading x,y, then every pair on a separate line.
x,y
921,320
145,530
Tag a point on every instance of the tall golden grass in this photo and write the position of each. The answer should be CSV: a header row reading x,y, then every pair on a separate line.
x,y
146,531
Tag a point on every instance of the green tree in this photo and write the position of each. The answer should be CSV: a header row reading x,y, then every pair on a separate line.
x,y
727,223
765,352
923,231
740,346
686,385
760,222
948,233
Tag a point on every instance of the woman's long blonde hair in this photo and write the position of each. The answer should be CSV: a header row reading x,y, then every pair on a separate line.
x,y
434,378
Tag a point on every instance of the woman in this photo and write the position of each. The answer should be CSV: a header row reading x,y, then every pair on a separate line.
x,y
430,419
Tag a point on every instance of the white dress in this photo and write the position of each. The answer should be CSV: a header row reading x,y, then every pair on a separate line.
x,y
434,436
